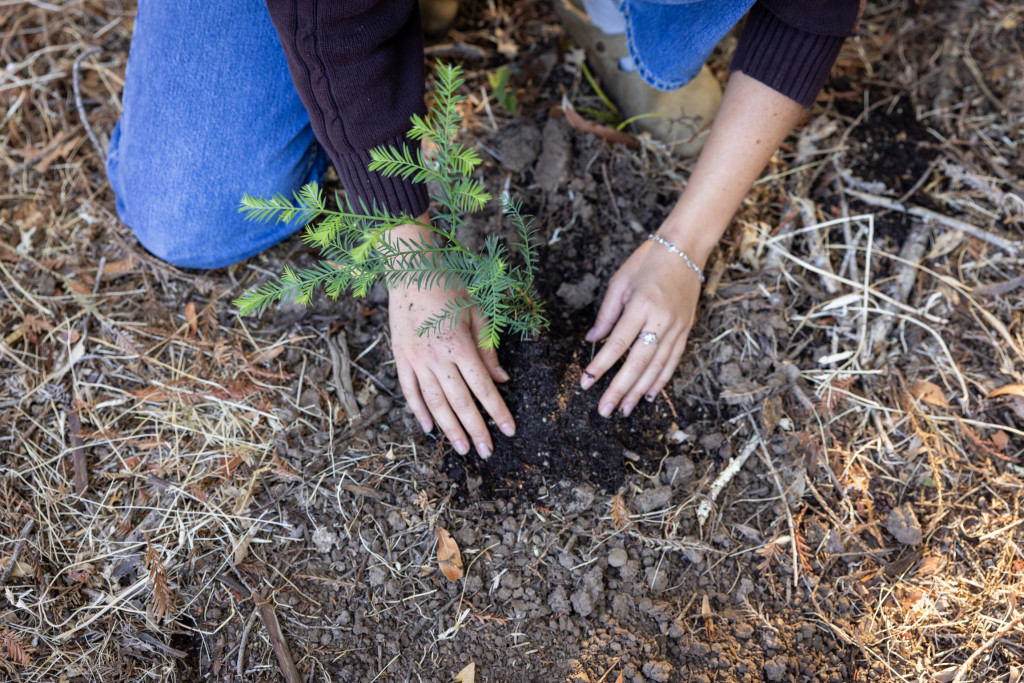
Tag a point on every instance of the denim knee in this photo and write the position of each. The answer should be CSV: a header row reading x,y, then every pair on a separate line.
x,y
186,215
209,113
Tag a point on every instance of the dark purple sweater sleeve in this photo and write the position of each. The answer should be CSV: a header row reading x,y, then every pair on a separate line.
x,y
358,67
791,45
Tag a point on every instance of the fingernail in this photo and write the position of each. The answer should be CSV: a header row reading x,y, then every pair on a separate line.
x,y
484,450
426,426
461,447
606,409
590,335
649,398
503,375
627,408
587,381
508,429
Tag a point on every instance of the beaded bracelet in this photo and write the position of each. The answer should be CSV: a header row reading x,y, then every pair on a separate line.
x,y
678,252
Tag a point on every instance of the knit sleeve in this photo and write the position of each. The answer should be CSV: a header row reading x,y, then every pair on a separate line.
x,y
791,46
358,68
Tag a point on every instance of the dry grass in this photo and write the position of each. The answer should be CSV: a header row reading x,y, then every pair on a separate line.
x,y
174,417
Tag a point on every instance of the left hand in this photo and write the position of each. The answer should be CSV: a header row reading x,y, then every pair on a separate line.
x,y
653,291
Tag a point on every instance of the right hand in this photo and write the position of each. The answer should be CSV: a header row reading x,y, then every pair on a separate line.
x,y
440,373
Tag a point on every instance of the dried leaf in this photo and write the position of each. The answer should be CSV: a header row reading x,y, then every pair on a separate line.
x,y
162,596
117,268
609,135
192,318
82,573
929,565
945,243
620,679
467,675
1001,440
18,571
929,392
16,651
242,547
1008,390
284,470
266,355
708,616
364,491
449,559
620,516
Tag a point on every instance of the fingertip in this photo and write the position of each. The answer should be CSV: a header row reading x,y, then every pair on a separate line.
x,y
508,428
427,426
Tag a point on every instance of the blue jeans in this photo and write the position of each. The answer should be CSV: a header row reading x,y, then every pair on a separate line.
x,y
670,40
209,113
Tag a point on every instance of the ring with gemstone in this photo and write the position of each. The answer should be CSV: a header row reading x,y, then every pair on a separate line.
x,y
648,338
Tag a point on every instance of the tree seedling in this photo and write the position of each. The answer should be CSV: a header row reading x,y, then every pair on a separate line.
x,y
356,251
505,95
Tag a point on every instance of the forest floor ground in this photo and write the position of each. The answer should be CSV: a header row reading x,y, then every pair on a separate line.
x,y
181,489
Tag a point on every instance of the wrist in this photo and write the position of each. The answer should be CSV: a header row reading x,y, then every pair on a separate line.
x,y
694,238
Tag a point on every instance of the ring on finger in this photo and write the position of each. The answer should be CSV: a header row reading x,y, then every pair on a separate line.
x,y
648,338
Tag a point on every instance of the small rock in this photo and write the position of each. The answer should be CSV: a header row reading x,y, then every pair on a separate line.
x,y
617,557
743,631
622,606
593,582
579,294
557,600
678,470
554,157
518,145
658,671
657,578
581,602
653,499
676,435
377,575
324,539
903,525
774,669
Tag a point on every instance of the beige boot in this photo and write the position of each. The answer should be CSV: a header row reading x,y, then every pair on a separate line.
x,y
438,15
683,116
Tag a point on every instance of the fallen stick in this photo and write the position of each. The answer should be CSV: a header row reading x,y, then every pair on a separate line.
x,y
113,601
78,453
341,372
269,619
25,531
965,667
911,255
723,479
874,200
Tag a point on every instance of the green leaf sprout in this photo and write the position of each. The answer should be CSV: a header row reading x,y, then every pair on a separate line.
x,y
356,252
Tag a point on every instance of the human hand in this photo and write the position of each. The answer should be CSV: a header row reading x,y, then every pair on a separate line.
x,y
653,291
438,371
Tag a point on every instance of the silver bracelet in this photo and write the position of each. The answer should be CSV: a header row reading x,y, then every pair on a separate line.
x,y
678,252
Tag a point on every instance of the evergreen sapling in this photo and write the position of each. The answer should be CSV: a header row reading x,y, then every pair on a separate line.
x,y
356,252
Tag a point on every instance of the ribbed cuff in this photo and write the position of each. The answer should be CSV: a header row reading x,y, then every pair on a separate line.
x,y
398,196
794,62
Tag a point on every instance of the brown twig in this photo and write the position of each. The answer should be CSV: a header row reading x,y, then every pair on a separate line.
x,y
269,618
965,667
342,374
25,531
75,77
874,200
78,453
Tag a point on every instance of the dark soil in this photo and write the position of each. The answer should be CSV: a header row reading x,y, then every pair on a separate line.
x,y
870,537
